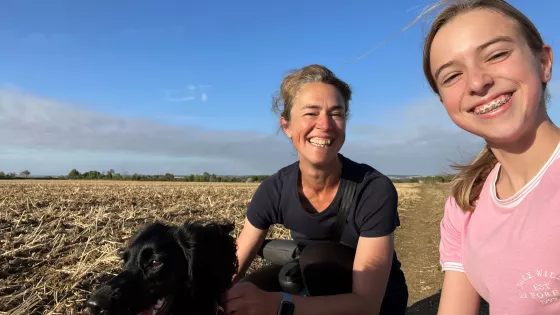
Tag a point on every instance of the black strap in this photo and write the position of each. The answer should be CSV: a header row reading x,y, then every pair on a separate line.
x,y
219,309
347,196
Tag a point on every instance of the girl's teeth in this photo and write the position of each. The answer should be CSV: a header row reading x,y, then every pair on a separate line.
x,y
492,105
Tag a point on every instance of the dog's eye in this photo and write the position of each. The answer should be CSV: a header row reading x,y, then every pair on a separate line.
x,y
154,264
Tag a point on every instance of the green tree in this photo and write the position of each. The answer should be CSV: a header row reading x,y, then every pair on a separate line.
x,y
74,174
205,176
110,173
92,174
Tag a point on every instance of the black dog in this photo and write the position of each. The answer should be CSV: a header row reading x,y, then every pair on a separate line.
x,y
171,270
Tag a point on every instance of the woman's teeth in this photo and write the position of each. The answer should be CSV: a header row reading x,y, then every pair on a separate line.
x,y
320,142
495,103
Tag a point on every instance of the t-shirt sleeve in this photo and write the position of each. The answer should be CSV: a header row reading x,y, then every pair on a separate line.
x,y
262,211
376,213
451,240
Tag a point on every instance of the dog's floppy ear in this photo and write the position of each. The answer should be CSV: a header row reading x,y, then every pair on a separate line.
x,y
222,229
187,242
210,252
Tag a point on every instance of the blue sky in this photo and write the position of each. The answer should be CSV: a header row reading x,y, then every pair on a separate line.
x,y
126,84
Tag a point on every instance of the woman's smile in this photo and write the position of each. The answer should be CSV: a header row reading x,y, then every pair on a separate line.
x,y
321,142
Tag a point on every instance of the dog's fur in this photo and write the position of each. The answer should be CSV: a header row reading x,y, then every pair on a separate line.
x,y
190,265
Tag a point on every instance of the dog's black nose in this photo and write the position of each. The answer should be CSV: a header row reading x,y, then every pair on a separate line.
x,y
97,305
94,308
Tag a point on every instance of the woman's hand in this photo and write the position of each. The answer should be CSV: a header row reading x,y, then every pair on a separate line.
x,y
247,299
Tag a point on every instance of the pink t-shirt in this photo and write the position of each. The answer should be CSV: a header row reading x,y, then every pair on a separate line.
x,y
510,248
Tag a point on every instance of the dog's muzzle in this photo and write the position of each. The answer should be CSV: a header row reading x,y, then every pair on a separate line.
x,y
118,293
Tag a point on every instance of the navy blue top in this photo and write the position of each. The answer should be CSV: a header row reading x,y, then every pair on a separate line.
x,y
372,213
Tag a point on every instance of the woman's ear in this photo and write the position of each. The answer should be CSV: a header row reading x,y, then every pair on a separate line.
x,y
286,127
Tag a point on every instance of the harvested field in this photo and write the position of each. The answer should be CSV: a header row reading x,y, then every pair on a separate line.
x,y
59,238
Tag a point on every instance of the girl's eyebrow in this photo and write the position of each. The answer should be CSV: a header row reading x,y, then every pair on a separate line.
x,y
498,39
493,41
440,69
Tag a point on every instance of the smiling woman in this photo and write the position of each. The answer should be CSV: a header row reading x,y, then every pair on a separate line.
x,y
341,215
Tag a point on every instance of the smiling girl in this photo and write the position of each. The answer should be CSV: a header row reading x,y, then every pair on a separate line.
x,y
499,236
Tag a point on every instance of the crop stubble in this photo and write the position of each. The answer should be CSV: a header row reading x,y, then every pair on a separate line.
x,y
58,239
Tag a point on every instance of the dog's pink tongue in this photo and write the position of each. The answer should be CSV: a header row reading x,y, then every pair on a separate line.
x,y
146,312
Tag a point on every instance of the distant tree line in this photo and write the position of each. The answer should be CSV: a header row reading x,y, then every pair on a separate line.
x,y
424,179
204,177
24,173
112,175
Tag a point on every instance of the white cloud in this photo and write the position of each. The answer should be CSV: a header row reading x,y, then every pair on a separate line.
x,y
51,137
421,140
181,99
43,161
29,121
190,93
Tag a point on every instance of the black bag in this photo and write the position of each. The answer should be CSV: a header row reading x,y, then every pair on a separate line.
x,y
286,252
280,251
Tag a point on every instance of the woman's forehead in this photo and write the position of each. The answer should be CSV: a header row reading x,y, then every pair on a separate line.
x,y
317,95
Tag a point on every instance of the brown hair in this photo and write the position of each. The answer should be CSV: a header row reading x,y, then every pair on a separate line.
x,y
471,177
282,102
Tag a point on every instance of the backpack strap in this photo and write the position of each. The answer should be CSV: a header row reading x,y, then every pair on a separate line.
x,y
347,196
